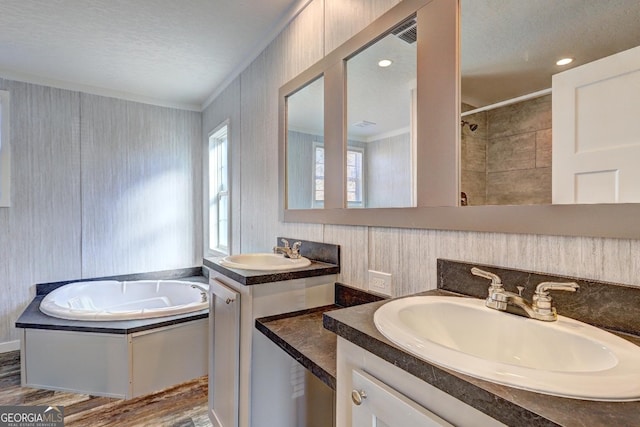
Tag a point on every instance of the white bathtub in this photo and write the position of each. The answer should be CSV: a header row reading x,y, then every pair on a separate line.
x,y
111,300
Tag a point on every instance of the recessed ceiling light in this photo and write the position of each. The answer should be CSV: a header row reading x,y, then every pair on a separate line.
x,y
384,63
564,61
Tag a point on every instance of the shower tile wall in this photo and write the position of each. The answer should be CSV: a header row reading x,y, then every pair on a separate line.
x,y
519,153
507,160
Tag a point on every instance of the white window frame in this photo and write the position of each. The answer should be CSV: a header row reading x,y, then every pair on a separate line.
x,y
213,216
320,203
5,151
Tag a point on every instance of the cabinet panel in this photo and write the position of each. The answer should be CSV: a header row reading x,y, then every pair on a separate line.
x,y
224,368
352,357
375,404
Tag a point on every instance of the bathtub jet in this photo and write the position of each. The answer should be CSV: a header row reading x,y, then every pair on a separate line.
x,y
109,300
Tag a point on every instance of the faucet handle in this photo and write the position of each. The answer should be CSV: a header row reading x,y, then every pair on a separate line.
x,y
294,253
542,300
495,279
285,242
543,288
497,298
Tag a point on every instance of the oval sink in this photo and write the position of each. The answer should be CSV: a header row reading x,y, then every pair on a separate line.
x,y
564,358
263,261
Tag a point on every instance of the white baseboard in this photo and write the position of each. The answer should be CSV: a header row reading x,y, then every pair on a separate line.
x,y
8,346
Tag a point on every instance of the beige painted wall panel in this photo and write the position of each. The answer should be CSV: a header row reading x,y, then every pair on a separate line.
x,y
301,43
295,49
140,176
40,232
399,253
354,252
259,154
343,19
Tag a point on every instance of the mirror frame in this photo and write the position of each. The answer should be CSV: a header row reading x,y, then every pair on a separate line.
x,y
437,145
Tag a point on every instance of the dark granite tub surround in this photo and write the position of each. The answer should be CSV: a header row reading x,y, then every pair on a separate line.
x,y
302,335
33,318
194,274
325,260
511,406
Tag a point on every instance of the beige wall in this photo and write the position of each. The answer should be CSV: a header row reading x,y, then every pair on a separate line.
x,y
410,255
100,186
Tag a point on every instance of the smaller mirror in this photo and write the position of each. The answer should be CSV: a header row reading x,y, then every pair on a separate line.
x,y
305,146
381,94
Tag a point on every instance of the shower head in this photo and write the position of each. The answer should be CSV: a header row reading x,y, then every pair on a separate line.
x,y
472,126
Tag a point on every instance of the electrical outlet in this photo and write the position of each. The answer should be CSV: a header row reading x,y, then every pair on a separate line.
x,y
380,282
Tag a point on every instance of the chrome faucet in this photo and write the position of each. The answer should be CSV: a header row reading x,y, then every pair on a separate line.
x,y
540,309
203,292
292,252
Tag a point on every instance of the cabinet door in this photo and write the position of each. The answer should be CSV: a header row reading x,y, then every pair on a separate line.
x,y
224,354
375,404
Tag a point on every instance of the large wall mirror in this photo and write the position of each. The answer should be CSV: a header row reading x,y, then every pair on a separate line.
x,y
460,130
381,87
509,53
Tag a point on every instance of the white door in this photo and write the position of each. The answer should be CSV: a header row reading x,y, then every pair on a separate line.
x,y
375,404
224,354
596,142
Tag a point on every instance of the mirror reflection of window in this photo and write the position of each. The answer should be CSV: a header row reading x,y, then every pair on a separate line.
x,y
305,132
381,82
355,177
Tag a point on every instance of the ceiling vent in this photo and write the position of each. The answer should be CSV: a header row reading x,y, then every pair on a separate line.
x,y
407,31
364,124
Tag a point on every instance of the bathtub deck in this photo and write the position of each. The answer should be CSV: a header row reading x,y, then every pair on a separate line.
x,y
33,318
181,405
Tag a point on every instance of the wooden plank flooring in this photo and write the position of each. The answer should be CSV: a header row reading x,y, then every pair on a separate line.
x,y
184,405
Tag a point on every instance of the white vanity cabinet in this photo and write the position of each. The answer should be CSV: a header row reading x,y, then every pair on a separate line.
x,y
372,392
252,382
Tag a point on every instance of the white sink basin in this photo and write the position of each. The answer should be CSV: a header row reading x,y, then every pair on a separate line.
x,y
263,261
563,358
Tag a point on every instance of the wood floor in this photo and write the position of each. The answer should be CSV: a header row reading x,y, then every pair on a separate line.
x,y
184,405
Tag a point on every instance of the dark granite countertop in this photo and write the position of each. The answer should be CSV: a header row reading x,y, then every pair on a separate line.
x,y
509,405
33,318
302,335
325,260
256,277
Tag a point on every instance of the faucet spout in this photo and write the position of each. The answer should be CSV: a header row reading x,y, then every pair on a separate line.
x,y
203,292
540,309
292,252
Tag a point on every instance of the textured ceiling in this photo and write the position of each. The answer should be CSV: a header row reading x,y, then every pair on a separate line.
x,y
509,47
180,52
169,52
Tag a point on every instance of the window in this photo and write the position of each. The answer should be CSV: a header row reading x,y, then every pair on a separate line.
x,y
218,205
5,168
355,181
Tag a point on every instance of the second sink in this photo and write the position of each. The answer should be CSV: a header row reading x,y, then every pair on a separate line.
x,y
263,261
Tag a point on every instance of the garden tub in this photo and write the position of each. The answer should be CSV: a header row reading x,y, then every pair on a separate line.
x,y
109,300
